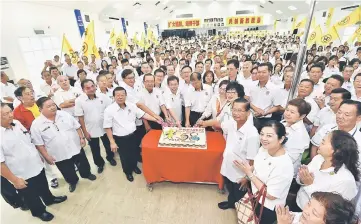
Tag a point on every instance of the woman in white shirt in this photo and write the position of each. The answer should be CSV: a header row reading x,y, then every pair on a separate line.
x,y
334,169
272,167
323,208
277,75
208,78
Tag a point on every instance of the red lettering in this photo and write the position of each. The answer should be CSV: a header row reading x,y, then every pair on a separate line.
x,y
247,20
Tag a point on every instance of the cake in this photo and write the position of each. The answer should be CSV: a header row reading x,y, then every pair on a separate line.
x,y
173,137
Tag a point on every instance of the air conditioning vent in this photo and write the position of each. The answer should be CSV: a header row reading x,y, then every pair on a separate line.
x,y
165,8
241,12
350,7
184,16
38,32
270,2
324,14
113,18
171,11
87,18
261,6
157,3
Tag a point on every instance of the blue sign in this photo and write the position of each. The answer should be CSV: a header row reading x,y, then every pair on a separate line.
x,y
145,28
79,21
124,26
158,30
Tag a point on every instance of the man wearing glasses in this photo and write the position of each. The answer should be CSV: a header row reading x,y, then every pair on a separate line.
x,y
58,137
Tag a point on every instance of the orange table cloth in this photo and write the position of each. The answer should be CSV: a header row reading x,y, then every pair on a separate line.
x,y
181,164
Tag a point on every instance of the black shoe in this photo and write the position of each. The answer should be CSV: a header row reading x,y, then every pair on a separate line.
x,y
92,177
54,183
72,187
46,216
140,159
100,169
137,170
224,205
113,162
24,208
130,177
58,200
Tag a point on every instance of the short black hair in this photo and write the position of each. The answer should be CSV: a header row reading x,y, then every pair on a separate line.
x,y
19,91
147,75
124,60
172,78
208,59
40,102
303,107
318,65
279,129
268,65
159,70
223,82
126,72
119,88
354,60
236,86
99,76
80,71
242,100
308,80
187,66
103,72
346,95
357,75
338,78
357,104
53,68
197,63
86,81
234,62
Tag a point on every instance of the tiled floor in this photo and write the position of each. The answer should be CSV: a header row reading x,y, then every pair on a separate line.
x,y
112,199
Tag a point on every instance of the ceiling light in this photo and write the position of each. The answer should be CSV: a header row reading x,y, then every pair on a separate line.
x,y
279,11
263,1
118,5
172,6
165,2
291,7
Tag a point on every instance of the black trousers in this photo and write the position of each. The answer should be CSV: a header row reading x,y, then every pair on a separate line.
x,y
37,192
139,134
127,151
194,117
268,216
10,194
95,148
183,116
154,125
234,193
66,167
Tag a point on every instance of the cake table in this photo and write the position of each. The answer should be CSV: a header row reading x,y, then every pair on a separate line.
x,y
181,164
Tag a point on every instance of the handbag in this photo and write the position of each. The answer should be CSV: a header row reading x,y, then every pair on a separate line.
x,y
246,206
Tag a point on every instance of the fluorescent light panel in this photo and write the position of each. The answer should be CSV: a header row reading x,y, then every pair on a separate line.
x,y
279,12
291,7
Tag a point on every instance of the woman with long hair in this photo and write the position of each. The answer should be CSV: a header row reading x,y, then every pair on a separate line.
x,y
104,65
208,78
277,74
334,169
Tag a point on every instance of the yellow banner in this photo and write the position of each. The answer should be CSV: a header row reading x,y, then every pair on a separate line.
x,y
67,49
112,38
301,24
352,18
184,24
315,36
294,23
244,20
355,36
329,17
329,37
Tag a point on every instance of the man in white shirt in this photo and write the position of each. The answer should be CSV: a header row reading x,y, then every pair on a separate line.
x,y
7,90
59,139
347,73
65,96
196,100
153,99
70,70
89,108
49,86
327,115
242,144
173,101
81,74
316,73
245,79
232,68
119,124
26,83
22,166
347,118
333,82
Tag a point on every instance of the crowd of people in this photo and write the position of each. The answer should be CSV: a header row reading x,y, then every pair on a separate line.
x,y
305,151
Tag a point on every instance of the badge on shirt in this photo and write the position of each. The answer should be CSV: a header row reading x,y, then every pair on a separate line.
x,y
129,111
206,93
157,96
267,93
101,102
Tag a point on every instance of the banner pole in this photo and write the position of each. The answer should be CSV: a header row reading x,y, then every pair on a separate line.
x,y
301,53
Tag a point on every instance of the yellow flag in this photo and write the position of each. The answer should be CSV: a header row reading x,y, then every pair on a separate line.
x,y
352,18
135,39
356,35
67,49
121,41
315,36
329,37
112,37
300,34
313,23
329,17
302,23
275,25
294,23
89,46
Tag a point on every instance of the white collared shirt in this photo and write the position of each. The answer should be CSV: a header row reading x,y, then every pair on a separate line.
x,y
174,102
327,180
122,121
330,71
153,100
324,117
93,76
19,153
298,141
198,100
93,112
314,109
48,89
241,145
216,88
62,95
318,89
276,173
354,97
211,109
264,98
59,137
132,97
247,83
7,91
70,70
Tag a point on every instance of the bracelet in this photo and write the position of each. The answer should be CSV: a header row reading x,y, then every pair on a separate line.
x,y
250,177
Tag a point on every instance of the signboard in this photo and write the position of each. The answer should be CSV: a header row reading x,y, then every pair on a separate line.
x,y
184,24
213,22
244,21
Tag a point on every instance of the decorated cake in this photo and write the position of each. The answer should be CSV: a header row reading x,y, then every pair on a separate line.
x,y
173,137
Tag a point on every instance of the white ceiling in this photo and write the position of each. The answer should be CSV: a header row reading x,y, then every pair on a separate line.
x,y
148,11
